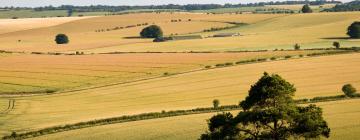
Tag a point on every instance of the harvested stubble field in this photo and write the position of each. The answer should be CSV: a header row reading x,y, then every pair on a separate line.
x,y
342,117
317,76
26,73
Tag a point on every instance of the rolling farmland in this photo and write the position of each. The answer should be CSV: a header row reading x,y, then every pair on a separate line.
x,y
184,91
107,70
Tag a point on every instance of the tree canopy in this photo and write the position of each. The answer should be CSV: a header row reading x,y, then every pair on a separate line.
x,y
269,112
354,30
61,39
152,31
306,9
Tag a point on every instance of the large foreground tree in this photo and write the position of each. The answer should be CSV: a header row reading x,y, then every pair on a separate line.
x,y
269,112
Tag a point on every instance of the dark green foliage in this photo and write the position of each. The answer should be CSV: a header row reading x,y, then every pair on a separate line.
x,y
296,47
269,113
354,30
350,6
349,90
336,44
152,31
306,9
288,56
61,39
216,103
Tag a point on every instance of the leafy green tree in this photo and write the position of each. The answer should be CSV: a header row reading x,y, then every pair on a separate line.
x,y
61,39
306,9
269,112
349,90
354,30
152,31
216,103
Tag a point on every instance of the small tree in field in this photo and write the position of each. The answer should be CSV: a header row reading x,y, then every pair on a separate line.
x,y
354,30
349,90
297,46
269,112
152,31
306,9
216,103
336,45
61,39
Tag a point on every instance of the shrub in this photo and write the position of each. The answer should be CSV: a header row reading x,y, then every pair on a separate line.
x,y
207,67
354,30
306,9
349,90
219,65
61,39
152,31
216,103
229,64
296,47
301,55
336,44
288,56
273,58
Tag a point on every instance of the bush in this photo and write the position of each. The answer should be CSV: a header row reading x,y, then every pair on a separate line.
x,y
216,103
229,64
273,58
152,31
354,30
288,56
61,39
349,90
336,45
207,67
296,47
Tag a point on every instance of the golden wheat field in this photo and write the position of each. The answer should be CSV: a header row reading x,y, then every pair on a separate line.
x,y
341,116
311,76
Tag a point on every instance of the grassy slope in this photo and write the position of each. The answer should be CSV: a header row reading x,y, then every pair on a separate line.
x,y
342,117
318,76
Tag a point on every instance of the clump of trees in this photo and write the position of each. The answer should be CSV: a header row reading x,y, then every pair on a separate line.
x,y
354,30
349,90
61,39
306,9
152,31
270,112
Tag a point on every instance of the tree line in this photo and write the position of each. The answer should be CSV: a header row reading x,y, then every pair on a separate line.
x,y
188,7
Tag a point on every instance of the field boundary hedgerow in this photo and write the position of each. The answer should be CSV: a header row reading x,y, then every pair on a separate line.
x,y
153,115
